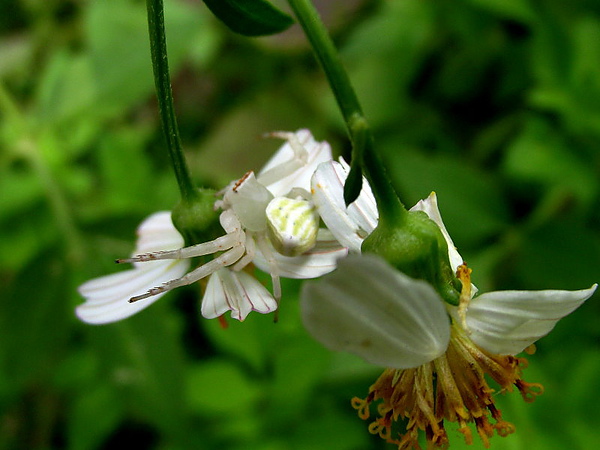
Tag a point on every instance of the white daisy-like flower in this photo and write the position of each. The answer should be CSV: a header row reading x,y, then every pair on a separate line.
x,y
390,319
268,219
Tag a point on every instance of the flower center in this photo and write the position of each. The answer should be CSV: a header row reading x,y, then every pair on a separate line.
x,y
450,388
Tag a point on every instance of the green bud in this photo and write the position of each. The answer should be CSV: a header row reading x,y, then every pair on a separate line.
x,y
197,220
416,247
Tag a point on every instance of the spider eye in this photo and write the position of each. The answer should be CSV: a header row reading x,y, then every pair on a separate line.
x,y
293,225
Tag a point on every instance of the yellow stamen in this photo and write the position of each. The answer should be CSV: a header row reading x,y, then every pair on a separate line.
x,y
453,388
463,273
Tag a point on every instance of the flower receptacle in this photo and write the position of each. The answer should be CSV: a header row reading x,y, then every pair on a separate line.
x,y
197,220
416,247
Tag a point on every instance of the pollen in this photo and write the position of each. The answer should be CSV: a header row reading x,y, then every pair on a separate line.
x,y
452,388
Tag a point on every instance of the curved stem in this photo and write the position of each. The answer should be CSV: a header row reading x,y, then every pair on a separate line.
x,y
164,93
363,155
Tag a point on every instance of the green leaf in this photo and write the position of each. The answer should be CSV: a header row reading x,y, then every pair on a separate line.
x,y
35,318
20,190
325,428
99,406
511,9
247,340
66,88
145,357
298,369
540,156
561,255
220,387
250,17
564,62
124,169
385,50
112,74
121,68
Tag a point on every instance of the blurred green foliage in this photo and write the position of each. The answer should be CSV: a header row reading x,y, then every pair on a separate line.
x,y
494,104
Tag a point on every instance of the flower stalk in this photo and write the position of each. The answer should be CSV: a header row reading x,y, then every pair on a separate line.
x,y
164,93
364,158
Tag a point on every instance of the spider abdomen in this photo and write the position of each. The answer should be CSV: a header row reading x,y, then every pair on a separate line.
x,y
293,225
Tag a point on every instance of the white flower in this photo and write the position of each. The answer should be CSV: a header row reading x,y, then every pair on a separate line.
x,y
269,220
502,322
369,308
107,297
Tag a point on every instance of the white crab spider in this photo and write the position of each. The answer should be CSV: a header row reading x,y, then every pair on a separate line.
x,y
251,216
282,229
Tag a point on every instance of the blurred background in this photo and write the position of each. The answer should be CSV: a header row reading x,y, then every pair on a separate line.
x,y
494,104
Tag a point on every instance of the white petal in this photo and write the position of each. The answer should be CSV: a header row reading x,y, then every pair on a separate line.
x,y
156,233
319,260
368,308
318,152
107,298
350,225
506,322
364,209
214,302
237,292
430,206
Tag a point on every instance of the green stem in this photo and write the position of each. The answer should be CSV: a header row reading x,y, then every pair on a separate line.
x,y
162,80
364,155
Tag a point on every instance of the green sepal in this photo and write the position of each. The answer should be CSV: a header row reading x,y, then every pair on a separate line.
x,y
197,220
416,247
250,17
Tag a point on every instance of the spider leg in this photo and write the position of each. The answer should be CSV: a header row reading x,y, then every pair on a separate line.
x,y
234,236
230,222
266,250
300,152
226,259
216,245
248,257
286,168
300,192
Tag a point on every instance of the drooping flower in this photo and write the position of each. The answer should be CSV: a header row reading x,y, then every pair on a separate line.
x,y
269,220
437,355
